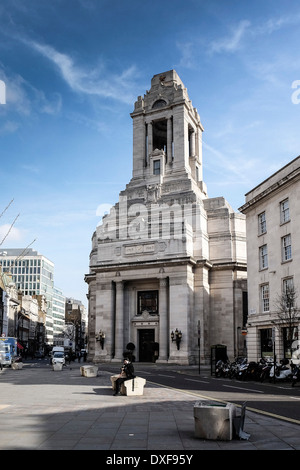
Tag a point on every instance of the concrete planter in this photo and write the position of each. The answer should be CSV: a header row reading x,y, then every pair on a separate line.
x,y
89,371
214,421
17,365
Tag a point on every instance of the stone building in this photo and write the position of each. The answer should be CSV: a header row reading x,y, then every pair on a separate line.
x,y
273,221
167,258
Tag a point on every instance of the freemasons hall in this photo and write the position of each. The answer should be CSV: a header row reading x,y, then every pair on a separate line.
x,y
167,272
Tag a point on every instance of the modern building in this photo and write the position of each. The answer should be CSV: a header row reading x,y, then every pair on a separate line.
x,y
33,275
168,273
58,314
273,223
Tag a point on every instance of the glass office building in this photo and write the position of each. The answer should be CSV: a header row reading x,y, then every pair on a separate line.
x,y
33,274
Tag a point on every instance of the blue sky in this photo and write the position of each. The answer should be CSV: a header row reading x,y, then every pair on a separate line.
x,y
72,71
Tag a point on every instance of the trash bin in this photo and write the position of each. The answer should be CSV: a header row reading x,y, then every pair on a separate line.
x,y
213,420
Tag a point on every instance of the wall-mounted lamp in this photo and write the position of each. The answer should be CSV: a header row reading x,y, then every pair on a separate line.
x,y
100,337
176,337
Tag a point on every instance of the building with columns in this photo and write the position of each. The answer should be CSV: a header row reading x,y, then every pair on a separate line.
x,y
167,258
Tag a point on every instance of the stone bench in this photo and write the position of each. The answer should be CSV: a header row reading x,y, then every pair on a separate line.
x,y
130,387
89,371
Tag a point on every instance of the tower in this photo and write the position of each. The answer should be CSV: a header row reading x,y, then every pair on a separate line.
x,y
167,133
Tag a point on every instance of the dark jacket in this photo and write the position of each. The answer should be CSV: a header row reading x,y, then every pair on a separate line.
x,y
129,370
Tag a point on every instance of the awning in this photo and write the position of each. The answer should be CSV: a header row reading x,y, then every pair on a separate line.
x,y
20,346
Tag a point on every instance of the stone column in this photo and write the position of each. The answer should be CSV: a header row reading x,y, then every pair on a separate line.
x,y
163,320
150,138
180,295
119,326
169,140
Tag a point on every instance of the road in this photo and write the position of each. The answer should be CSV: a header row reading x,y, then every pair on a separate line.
x,y
280,400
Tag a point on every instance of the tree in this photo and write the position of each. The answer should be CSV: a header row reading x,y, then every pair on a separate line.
x,y
288,314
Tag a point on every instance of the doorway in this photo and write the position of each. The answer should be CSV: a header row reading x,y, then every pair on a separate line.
x,y
146,343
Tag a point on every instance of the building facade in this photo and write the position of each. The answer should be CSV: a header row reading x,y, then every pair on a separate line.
x,y
33,275
75,333
58,314
273,222
167,259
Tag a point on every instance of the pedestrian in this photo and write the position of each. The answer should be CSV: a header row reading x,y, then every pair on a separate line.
x,y
127,373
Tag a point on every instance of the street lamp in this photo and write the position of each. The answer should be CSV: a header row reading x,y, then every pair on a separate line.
x,y
100,337
177,336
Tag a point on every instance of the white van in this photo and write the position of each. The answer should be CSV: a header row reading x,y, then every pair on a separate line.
x,y
58,358
58,355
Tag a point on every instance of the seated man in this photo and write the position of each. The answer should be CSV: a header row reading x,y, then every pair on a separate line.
x,y
127,373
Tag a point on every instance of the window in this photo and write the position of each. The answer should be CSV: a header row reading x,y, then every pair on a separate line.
x,y
263,257
284,211
262,224
148,300
288,285
265,304
156,167
288,292
159,104
286,248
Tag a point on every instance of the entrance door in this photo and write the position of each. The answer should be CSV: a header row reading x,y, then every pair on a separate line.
x,y
146,342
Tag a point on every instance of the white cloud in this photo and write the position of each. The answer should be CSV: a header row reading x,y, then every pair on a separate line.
x,y
91,82
23,99
274,24
9,127
232,42
9,234
187,54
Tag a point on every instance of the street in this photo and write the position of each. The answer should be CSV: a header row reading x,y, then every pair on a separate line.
x,y
280,399
44,409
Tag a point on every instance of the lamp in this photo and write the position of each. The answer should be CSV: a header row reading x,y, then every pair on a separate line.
x,y
100,337
177,336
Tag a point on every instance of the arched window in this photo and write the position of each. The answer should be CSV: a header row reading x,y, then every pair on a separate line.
x,y
159,104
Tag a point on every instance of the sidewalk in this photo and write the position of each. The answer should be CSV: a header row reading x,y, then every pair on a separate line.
x,y
42,409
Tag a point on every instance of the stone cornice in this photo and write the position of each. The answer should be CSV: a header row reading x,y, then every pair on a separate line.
x,y
273,188
125,266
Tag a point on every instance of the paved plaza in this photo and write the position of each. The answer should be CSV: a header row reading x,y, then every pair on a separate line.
x,y
42,409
